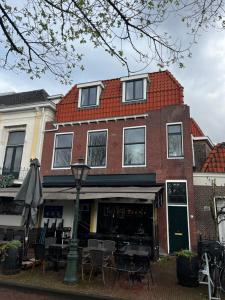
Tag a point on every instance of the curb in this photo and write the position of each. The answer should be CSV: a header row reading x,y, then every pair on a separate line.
x,y
54,292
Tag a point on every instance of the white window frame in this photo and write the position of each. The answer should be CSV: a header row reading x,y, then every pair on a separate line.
x,y
98,84
106,156
182,140
53,156
124,80
133,166
179,205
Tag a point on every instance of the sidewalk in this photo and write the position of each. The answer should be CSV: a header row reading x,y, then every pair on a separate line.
x,y
164,287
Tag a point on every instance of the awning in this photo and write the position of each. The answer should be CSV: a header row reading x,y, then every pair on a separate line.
x,y
145,194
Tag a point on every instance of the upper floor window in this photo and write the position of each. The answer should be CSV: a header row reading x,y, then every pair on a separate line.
x,y
89,94
96,152
63,150
176,193
13,153
134,88
134,146
175,140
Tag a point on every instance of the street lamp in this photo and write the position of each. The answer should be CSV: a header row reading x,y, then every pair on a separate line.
x,y
80,172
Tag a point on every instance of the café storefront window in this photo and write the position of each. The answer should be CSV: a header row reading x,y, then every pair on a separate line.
x,y
125,219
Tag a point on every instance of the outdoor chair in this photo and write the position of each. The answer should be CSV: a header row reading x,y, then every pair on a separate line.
x,y
39,256
83,260
49,241
143,265
110,247
97,263
57,256
123,264
93,243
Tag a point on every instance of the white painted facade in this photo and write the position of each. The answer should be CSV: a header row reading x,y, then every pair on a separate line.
x,y
32,119
206,179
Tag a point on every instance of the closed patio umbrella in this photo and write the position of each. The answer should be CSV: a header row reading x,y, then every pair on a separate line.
x,y
31,195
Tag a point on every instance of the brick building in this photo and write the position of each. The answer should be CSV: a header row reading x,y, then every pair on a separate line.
x,y
209,190
137,135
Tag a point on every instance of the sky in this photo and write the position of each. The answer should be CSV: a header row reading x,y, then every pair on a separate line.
x,y
203,79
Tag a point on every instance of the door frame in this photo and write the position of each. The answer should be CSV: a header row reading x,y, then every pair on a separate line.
x,y
179,205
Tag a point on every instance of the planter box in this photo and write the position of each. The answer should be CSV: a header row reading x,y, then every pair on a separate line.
x,y
187,271
12,262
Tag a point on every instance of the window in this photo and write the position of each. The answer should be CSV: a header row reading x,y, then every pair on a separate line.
x,y
63,150
89,96
175,140
134,146
13,153
96,153
134,90
176,193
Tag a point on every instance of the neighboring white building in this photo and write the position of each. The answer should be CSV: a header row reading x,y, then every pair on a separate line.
x,y
22,123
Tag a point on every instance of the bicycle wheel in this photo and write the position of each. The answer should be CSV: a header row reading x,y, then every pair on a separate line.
x,y
222,279
215,277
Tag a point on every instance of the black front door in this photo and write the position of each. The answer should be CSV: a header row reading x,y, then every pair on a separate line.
x,y
178,228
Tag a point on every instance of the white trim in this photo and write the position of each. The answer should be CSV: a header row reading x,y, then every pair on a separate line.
x,y
34,105
135,77
203,138
99,120
53,155
90,84
182,140
182,205
100,167
134,100
209,174
193,150
133,166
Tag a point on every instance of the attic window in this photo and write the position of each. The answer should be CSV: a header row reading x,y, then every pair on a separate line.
x,y
89,94
134,88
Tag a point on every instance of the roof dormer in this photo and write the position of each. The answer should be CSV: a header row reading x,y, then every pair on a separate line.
x,y
89,94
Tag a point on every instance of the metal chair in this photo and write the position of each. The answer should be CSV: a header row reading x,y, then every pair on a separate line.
x,y
93,243
57,255
39,256
84,260
97,263
143,265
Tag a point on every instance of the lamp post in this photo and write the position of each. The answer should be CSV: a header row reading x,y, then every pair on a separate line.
x,y
80,172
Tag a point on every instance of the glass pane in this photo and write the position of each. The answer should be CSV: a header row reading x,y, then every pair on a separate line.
x,y
62,158
17,159
16,138
134,154
175,145
174,129
84,97
96,156
63,141
8,160
97,138
134,135
92,95
176,192
129,90
138,89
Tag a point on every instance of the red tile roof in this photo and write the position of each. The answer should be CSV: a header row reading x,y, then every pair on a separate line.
x,y
216,160
163,90
195,129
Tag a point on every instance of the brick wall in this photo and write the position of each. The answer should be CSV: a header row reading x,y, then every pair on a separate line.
x,y
203,199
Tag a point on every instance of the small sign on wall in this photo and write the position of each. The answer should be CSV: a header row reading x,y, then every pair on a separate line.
x,y
51,211
206,208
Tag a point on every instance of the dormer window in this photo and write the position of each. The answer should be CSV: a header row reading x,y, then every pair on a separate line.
x,y
134,88
89,94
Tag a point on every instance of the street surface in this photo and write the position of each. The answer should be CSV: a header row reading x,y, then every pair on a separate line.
x,y
13,294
